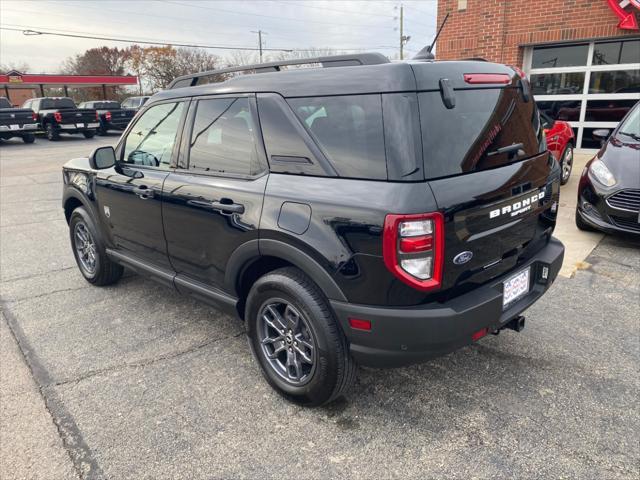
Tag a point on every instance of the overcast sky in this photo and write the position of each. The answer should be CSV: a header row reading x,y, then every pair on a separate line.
x,y
297,24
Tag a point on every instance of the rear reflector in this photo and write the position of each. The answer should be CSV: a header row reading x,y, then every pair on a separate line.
x,y
483,78
416,244
479,334
359,324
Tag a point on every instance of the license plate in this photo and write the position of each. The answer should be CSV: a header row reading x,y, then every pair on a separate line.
x,y
516,287
14,127
80,125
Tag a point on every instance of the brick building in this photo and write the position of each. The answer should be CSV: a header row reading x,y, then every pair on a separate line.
x,y
582,57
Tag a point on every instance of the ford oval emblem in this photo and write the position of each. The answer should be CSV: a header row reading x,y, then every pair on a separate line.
x,y
462,257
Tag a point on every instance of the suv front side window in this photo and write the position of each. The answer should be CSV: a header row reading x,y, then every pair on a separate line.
x,y
151,140
223,138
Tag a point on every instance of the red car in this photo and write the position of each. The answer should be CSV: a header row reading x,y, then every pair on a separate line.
x,y
560,141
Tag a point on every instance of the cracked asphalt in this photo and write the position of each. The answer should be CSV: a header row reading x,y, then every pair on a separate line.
x,y
135,381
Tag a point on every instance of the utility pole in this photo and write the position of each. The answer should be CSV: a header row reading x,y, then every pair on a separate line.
x,y
401,31
259,32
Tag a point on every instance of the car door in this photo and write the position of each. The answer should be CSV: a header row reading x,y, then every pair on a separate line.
x,y
213,200
129,194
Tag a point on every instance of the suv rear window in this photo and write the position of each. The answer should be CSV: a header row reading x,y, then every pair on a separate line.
x,y
465,138
4,103
350,131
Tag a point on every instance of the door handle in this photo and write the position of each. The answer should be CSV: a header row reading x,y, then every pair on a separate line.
x,y
143,192
228,207
225,207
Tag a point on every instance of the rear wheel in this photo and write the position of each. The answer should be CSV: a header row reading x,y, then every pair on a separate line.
x,y
297,342
52,133
88,249
89,134
28,138
566,163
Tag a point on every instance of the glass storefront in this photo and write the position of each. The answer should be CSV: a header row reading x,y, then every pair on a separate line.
x,y
591,85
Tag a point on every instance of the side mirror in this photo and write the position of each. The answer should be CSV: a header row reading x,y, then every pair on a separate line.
x,y
103,157
601,134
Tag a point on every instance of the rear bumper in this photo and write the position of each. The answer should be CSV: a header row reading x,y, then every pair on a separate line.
x,y
402,336
74,127
25,128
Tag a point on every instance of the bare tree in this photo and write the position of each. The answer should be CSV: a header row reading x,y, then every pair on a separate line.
x,y
21,67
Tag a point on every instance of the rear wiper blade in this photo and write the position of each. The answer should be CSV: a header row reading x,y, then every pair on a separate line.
x,y
635,136
517,148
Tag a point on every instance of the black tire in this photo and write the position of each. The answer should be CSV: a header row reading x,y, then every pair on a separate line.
x,y
334,369
28,138
105,271
566,158
89,134
52,133
582,225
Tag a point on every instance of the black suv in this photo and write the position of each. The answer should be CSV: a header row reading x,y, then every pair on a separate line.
x,y
362,211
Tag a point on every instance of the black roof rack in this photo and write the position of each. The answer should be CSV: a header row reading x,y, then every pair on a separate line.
x,y
325,62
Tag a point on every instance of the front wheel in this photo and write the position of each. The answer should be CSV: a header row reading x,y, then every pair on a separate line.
x,y
566,164
89,134
88,249
296,340
28,138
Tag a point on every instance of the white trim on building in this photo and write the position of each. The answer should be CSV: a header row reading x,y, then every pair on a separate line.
x,y
580,124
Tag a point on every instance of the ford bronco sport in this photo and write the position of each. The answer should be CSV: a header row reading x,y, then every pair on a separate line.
x,y
359,212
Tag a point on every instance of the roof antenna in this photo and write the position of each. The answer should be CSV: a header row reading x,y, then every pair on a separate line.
x,y
425,53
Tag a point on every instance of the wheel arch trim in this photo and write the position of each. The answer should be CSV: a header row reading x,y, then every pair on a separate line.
x,y
253,250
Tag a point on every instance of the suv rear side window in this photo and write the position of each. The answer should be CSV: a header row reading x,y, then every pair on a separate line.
x,y
350,131
465,138
223,137
150,142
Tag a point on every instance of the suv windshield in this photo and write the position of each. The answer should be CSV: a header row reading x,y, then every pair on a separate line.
x,y
56,103
631,126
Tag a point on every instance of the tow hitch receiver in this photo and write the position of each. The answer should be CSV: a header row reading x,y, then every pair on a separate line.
x,y
516,324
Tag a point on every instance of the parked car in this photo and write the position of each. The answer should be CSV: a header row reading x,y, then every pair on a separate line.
x,y
374,212
17,122
58,115
560,142
134,103
609,188
110,114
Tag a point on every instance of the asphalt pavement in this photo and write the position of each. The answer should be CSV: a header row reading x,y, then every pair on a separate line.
x,y
134,381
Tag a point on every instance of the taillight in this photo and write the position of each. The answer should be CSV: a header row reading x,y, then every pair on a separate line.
x,y
57,117
482,78
107,116
413,248
519,72
34,116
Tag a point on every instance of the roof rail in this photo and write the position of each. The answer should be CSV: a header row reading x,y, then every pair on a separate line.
x,y
329,61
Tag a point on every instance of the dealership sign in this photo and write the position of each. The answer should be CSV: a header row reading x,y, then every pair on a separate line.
x,y
628,20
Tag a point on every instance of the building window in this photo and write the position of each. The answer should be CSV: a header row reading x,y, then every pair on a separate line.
x,y
590,85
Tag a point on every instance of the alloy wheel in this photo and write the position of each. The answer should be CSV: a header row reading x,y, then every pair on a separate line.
x,y
567,164
85,247
286,341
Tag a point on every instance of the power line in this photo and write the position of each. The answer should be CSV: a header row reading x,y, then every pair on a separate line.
x,y
29,31
234,12
350,12
91,35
